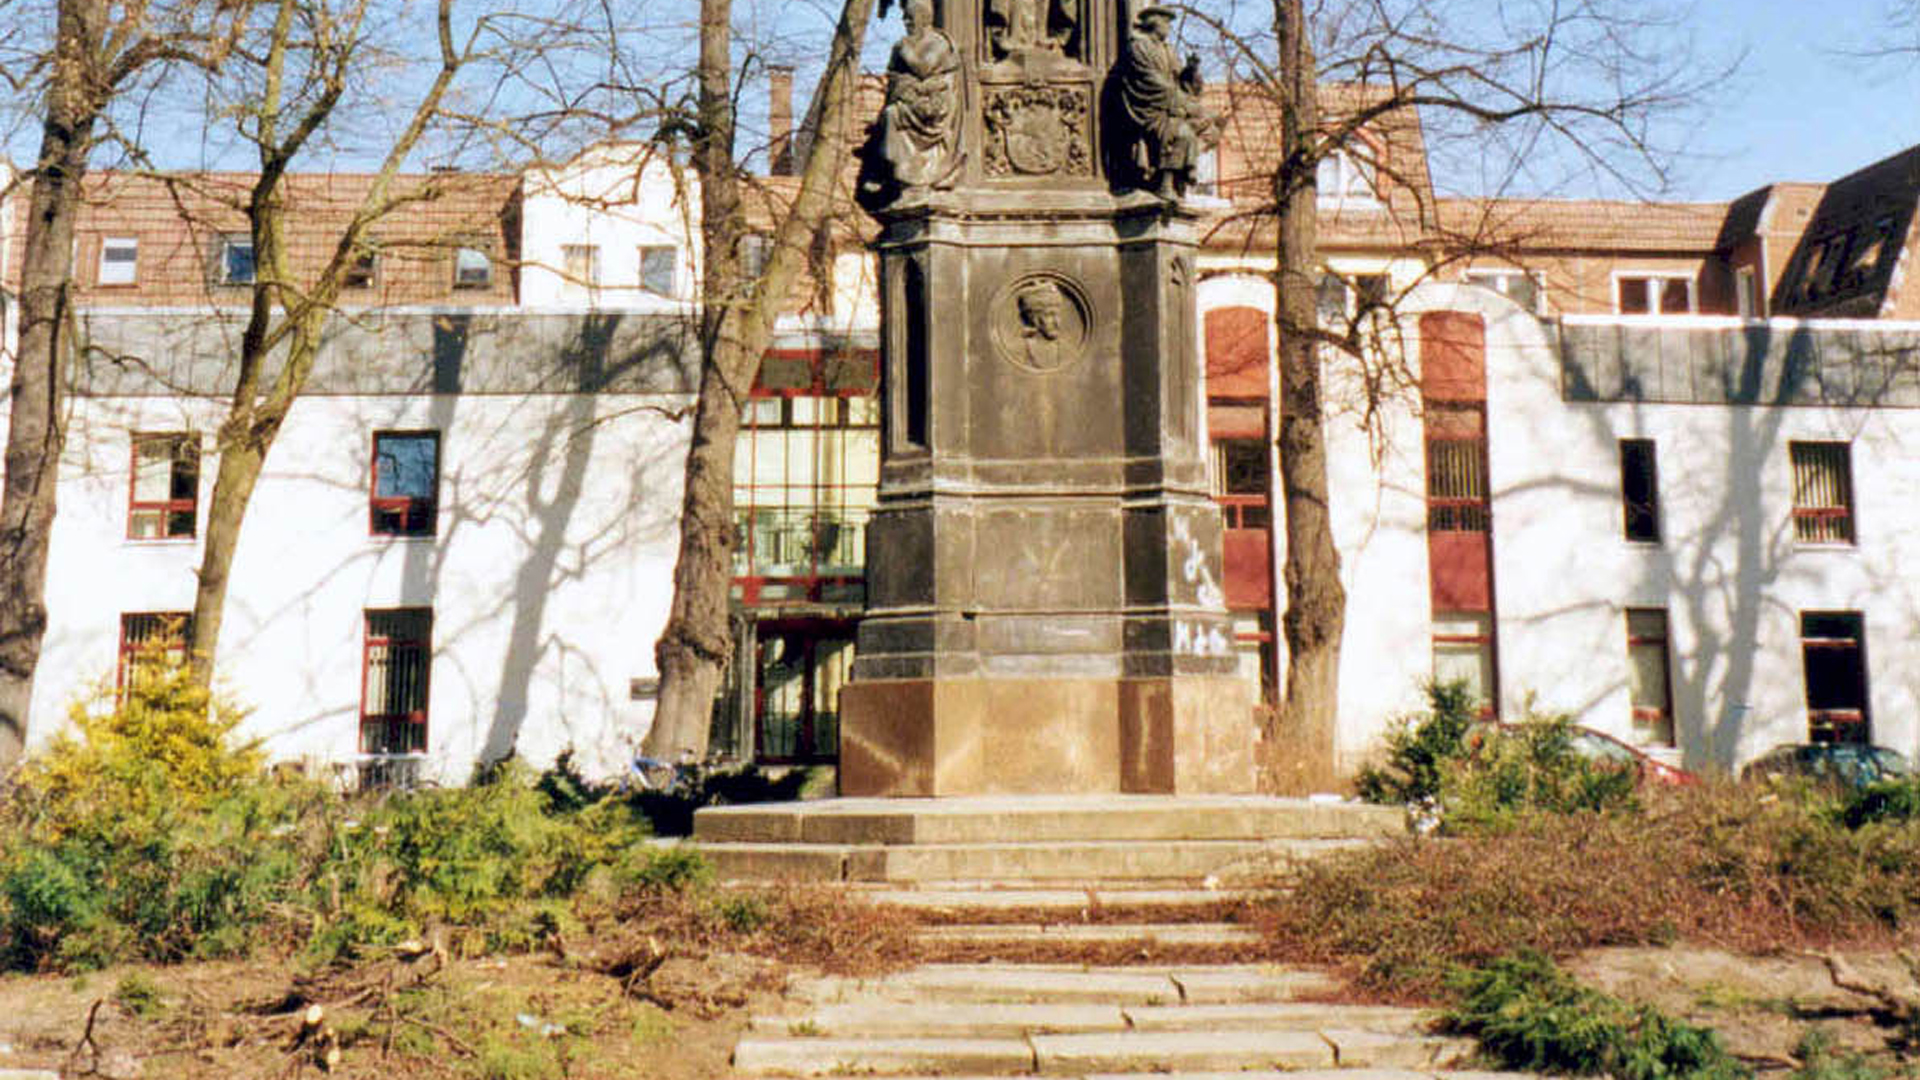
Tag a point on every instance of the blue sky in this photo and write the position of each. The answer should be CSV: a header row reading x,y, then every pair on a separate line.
x,y
1804,105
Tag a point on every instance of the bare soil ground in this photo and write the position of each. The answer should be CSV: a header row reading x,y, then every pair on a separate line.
x,y
522,1016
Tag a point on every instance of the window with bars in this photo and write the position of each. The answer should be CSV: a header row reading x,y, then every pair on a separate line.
x,y
1639,491
393,702
163,498
406,483
1457,485
1822,492
1833,648
151,642
1649,677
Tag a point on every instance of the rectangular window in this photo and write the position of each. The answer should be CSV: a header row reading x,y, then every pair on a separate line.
x,y
236,261
1344,181
150,642
406,483
1653,294
1822,492
1639,491
1521,286
393,702
163,499
1746,294
1457,485
472,268
1241,477
657,269
1649,679
1463,652
580,263
361,272
1834,652
119,260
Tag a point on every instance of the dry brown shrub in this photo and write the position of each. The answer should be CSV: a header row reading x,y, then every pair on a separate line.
x,y
1722,864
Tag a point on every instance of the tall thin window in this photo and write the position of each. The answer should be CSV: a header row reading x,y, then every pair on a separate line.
x,y
1639,491
1833,648
1822,492
163,501
406,482
393,702
1649,678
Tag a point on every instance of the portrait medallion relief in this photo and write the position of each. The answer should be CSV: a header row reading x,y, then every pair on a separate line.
x,y
1042,322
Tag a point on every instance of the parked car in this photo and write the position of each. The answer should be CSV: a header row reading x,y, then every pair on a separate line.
x,y
1598,746
1841,764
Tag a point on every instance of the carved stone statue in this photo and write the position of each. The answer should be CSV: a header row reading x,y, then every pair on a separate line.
x,y
1018,27
1169,126
916,138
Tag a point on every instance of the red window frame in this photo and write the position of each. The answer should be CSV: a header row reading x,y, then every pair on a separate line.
x,y
1662,718
1822,516
169,509
402,515
146,636
390,730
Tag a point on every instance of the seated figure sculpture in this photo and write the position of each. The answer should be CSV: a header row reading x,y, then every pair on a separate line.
x,y
917,134
1169,126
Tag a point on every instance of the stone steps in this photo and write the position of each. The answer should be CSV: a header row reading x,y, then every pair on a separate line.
x,y
987,903
1191,933
1058,1020
1035,842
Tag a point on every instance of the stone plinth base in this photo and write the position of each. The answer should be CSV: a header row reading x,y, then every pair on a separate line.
x,y
1186,734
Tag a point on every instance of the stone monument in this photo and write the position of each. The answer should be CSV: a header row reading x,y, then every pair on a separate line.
x,y
1044,606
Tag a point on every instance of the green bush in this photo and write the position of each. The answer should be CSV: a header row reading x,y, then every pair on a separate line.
x,y
1486,777
1884,801
1420,747
1529,1015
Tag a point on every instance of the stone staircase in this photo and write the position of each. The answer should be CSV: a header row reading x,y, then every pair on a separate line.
x,y
1111,841
1016,895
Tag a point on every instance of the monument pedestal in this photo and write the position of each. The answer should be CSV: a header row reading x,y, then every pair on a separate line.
x,y
1052,735
1043,573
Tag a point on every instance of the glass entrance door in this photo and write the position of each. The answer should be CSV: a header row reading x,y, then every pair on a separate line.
x,y
800,667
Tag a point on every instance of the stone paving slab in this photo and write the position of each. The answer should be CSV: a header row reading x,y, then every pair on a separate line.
x,y
1240,983
1321,1074
878,1057
1099,933
1141,1052
881,1019
1257,1015
986,984
1385,1050
1063,900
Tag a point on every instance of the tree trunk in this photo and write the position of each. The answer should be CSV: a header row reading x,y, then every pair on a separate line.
x,y
37,432
1300,751
737,318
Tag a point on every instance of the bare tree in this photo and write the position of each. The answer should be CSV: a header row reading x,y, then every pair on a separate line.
x,y
1535,91
298,69
98,49
737,318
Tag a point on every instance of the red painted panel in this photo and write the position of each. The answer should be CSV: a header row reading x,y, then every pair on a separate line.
x,y
1247,564
1237,421
1462,573
1453,356
1237,352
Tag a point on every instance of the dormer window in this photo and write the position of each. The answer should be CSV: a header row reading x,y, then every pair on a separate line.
x,y
472,267
119,260
1345,182
236,265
